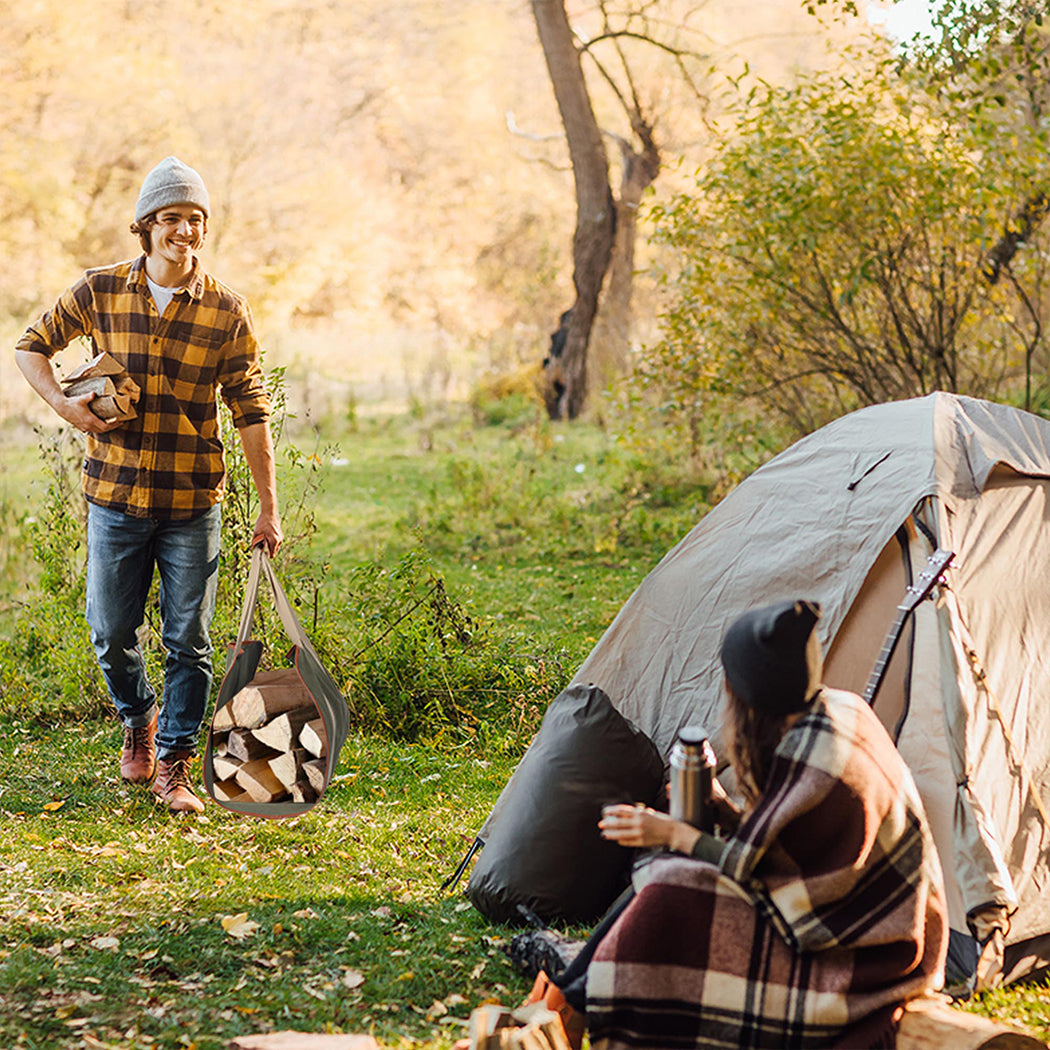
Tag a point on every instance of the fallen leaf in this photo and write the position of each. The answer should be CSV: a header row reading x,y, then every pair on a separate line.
x,y
408,975
382,912
50,807
455,999
437,1009
353,979
239,926
314,992
104,943
305,913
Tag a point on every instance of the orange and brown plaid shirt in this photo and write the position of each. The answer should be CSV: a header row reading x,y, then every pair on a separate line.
x,y
167,463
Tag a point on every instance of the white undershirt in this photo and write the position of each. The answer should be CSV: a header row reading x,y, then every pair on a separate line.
x,y
161,295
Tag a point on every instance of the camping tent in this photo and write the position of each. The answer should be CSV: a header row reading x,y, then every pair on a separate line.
x,y
848,516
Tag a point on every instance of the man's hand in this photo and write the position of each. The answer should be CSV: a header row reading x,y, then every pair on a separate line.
x,y
77,412
74,410
268,532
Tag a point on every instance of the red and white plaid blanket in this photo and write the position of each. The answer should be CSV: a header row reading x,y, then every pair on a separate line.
x,y
826,912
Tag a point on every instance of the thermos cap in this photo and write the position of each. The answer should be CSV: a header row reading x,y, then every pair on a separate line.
x,y
692,736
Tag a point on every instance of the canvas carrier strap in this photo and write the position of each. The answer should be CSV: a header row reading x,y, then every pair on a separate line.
x,y
275,735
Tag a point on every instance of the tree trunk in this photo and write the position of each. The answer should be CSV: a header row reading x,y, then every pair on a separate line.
x,y
592,243
611,338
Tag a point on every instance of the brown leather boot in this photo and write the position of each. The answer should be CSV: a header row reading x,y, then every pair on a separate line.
x,y
172,786
138,759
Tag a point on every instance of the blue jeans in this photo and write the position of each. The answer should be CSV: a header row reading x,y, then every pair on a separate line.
x,y
122,554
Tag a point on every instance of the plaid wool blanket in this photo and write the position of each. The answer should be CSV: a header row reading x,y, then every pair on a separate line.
x,y
825,914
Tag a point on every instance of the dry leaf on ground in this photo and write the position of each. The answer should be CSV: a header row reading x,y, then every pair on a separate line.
x,y
239,926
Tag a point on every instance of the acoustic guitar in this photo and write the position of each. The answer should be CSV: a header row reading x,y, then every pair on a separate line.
x,y
937,562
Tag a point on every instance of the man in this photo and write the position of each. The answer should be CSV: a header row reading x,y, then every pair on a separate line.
x,y
154,484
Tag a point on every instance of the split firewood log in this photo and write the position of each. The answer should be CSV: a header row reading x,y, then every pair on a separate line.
x,y
257,778
243,744
314,770
282,732
224,767
301,792
313,738
230,791
287,767
267,695
115,391
223,719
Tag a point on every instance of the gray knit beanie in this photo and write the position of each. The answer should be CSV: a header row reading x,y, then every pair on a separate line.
x,y
768,658
171,182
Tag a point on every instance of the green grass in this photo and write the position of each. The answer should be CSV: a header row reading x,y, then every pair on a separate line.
x,y
111,911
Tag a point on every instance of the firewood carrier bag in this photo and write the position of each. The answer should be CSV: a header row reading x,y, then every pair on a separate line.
x,y
275,735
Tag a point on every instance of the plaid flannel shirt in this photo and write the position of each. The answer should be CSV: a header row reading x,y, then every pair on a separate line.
x,y
167,463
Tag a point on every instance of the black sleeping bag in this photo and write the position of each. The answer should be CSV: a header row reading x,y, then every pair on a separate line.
x,y
543,854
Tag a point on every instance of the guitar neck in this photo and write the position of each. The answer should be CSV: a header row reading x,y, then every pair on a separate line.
x,y
936,563
878,672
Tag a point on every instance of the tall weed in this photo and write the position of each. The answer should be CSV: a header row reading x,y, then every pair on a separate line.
x,y
425,669
46,663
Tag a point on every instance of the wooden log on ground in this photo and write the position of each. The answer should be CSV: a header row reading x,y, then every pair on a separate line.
x,y
485,1024
268,695
258,780
312,737
282,732
224,767
931,1024
287,767
243,744
303,1041
531,1027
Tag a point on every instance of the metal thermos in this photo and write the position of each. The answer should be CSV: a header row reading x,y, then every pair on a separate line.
x,y
692,770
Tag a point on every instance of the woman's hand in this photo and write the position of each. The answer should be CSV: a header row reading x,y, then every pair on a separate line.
x,y
728,814
640,826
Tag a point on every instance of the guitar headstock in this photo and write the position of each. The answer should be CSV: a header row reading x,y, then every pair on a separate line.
x,y
936,563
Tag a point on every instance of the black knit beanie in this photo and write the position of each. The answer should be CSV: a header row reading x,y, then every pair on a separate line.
x,y
768,661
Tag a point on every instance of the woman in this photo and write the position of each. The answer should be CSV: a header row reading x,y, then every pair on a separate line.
x,y
813,921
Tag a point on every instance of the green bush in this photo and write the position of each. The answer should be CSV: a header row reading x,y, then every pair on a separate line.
x,y
425,669
47,667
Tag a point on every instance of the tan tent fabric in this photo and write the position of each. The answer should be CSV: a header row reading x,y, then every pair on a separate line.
x,y
972,677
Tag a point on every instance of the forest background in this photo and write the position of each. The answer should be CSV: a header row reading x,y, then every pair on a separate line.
x,y
833,220
391,187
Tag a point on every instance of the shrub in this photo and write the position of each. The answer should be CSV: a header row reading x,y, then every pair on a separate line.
x,y
426,669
